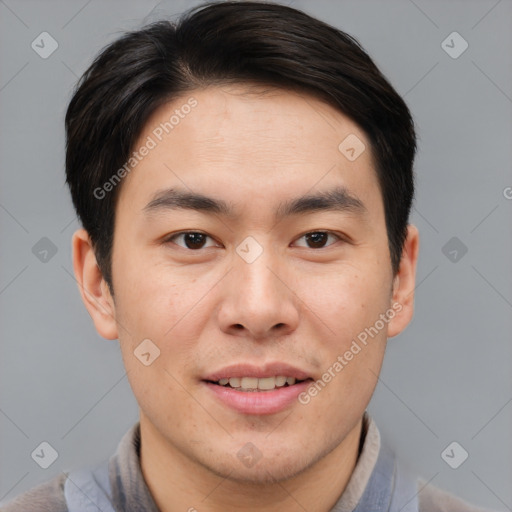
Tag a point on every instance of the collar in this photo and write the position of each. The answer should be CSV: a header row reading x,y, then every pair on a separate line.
x,y
130,491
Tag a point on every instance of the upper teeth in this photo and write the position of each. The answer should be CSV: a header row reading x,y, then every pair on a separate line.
x,y
255,383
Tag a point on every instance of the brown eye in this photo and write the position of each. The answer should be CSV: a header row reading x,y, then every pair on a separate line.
x,y
318,239
192,240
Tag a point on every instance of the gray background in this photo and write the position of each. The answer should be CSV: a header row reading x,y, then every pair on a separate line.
x,y
446,378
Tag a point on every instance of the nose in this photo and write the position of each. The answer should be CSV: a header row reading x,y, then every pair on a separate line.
x,y
258,301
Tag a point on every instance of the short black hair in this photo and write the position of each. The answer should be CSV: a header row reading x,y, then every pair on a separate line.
x,y
227,42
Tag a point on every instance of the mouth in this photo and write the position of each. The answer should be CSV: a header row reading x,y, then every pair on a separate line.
x,y
248,389
255,384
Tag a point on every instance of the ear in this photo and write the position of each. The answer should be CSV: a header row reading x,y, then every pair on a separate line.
x,y
404,284
93,288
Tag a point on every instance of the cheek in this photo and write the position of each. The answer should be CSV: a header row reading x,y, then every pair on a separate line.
x,y
346,302
154,298
162,398
165,307
347,313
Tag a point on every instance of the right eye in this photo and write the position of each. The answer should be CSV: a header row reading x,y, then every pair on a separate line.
x,y
192,240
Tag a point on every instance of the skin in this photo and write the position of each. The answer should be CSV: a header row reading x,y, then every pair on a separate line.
x,y
207,308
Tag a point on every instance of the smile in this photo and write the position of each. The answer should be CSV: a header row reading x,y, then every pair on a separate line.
x,y
257,384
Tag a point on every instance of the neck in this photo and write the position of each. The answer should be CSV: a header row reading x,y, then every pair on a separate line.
x,y
178,483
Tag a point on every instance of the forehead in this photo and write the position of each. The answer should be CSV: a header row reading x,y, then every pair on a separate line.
x,y
252,142
273,124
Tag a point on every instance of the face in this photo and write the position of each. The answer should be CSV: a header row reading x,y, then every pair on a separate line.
x,y
254,281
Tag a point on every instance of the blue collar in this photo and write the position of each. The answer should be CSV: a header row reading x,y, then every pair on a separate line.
x,y
390,488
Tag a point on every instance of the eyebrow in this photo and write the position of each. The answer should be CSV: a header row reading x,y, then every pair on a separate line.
x,y
337,199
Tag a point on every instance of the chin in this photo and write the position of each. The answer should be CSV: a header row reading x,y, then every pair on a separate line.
x,y
262,469
264,473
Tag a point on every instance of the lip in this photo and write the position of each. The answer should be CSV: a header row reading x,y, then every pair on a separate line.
x,y
274,369
258,402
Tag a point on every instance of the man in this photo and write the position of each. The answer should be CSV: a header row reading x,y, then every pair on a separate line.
x,y
244,181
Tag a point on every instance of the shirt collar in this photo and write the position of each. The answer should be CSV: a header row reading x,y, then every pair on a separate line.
x,y
130,490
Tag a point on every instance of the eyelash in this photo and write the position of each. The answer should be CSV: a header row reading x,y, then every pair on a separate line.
x,y
181,233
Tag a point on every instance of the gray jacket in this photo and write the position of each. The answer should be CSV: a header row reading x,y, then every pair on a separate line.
x,y
123,488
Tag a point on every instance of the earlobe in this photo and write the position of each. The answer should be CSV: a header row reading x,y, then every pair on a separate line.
x,y
93,288
404,284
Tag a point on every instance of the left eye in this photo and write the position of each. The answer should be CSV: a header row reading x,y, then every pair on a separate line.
x,y
318,238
